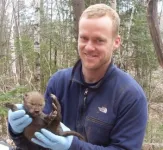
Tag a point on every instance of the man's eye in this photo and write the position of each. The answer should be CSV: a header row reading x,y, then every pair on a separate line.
x,y
83,38
100,40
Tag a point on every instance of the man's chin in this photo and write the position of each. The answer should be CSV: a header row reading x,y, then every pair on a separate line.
x,y
90,67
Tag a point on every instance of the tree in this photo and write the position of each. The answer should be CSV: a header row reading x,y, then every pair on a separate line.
x,y
37,71
113,4
153,22
78,7
13,53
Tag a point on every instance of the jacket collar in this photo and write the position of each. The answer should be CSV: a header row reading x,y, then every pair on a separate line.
x,y
77,75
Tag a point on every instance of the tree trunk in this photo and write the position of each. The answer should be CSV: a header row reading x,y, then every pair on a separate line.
x,y
152,17
13,54
37,72
78,7
3,41
18,44
113,4
2,20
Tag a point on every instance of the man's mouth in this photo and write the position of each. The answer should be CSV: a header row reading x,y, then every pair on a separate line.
x,y
90,56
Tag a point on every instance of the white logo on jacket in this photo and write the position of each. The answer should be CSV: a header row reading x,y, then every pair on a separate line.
x,y
103,109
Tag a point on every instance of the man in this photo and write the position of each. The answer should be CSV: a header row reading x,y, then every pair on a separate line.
x,y
98,100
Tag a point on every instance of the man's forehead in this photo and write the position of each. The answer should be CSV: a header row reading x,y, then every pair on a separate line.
x,y
96,22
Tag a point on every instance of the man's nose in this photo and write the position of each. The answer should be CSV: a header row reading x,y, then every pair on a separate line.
x,y
89,46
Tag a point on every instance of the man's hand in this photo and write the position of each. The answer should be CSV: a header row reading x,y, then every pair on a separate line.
x,y
49,140
18,120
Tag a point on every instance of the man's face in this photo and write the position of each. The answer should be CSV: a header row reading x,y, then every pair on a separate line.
x,y
96,42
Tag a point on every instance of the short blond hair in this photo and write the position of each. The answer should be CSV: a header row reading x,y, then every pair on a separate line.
x,y
100,10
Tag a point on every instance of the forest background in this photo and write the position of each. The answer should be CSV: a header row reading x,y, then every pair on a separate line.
x,y
39,37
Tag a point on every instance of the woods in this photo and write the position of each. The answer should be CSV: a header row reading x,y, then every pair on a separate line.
x,y
39,37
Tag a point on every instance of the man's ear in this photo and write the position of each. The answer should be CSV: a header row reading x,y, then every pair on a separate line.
x,y
117,42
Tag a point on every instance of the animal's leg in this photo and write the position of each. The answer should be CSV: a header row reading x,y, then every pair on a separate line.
x,y
11,106
49,118
56,108
55,115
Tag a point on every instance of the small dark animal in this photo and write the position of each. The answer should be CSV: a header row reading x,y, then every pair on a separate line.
x,y
33,104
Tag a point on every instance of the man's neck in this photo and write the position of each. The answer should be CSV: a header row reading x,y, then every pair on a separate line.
x,y
94,75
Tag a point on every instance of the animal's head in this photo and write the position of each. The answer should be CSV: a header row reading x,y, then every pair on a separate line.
x,y
34,103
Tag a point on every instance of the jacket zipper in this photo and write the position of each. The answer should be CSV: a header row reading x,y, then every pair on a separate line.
x,y
84,108
85,96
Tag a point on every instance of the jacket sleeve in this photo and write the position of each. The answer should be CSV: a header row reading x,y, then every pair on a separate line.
x,y
129,129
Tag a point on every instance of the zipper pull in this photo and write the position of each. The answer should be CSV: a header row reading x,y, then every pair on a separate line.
x,y
86,92
85,96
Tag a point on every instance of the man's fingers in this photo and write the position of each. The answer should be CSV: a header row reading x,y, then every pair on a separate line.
x,y
51,136
17,114
19,106
47,137
34,140
23,121
42,138
26,122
